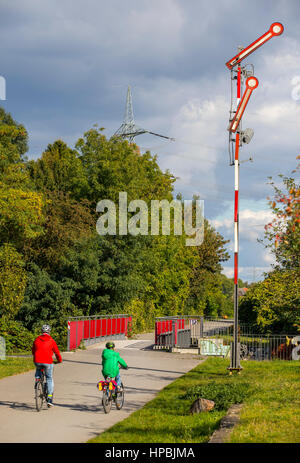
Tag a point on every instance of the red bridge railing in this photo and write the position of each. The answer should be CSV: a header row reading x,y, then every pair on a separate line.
x,y
91,330
166,330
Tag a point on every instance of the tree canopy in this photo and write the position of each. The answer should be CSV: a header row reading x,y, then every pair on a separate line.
x,y
273,305
283,233
63,267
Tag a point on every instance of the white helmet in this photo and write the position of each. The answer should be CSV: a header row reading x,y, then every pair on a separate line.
x,y
46,329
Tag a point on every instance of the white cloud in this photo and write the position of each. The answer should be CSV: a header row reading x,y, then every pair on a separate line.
x,y
198,131
249,274
272,111
251,223
252,220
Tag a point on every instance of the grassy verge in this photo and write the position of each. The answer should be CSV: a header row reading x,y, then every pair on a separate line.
x,y
19,353
13,366
272,414
271,411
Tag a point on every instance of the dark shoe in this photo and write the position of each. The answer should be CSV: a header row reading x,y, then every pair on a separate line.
x,y
49,402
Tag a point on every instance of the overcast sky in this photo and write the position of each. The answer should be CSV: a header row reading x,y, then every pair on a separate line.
x,y
67,65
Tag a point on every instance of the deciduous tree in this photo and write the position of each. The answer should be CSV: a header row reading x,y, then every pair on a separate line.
x,y
12,281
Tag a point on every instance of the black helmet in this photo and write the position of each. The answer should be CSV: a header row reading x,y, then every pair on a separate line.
x,y
110,345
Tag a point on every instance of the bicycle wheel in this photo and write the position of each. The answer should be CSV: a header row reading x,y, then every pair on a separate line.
x,y
106,401
39,395
119,400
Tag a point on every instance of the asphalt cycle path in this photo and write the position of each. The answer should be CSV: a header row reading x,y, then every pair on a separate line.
x,y
78,414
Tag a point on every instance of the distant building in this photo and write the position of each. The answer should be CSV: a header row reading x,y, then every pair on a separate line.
x,y
242,291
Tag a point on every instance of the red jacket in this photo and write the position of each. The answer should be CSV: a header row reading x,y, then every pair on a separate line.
x,y
43,349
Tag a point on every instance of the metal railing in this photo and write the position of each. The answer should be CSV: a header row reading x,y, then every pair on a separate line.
x,y
185,331
212,336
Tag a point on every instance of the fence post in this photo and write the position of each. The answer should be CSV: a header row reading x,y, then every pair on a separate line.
x,y
76,333
68,336
201,327
174,326
130,325
2,348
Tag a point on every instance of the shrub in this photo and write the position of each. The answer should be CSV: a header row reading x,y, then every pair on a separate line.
x,y
17,337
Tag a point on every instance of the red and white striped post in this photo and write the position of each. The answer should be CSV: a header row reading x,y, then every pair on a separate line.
x,y
235,357
234,127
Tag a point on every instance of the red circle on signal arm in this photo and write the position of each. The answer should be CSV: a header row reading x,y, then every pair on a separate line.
x,y
252,82
276,28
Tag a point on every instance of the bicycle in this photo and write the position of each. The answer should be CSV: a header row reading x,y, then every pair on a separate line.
x,y
111,394
41,390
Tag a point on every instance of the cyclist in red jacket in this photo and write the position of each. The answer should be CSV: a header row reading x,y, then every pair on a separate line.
x,y
43,349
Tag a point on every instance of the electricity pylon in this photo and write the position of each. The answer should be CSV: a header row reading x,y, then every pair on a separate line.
x,y
128,128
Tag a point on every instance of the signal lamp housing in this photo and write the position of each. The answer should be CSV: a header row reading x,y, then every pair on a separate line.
x,y
247,135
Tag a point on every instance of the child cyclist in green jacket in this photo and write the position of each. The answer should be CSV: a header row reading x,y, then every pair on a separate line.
x,y
110,363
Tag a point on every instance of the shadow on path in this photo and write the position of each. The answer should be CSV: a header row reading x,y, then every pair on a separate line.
x,y
18,405
130,367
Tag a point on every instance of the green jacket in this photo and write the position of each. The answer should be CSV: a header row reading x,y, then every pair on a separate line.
x,y
110,363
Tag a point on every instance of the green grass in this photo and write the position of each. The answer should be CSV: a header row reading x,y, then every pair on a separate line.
x,y
271,411
272,414
13,366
